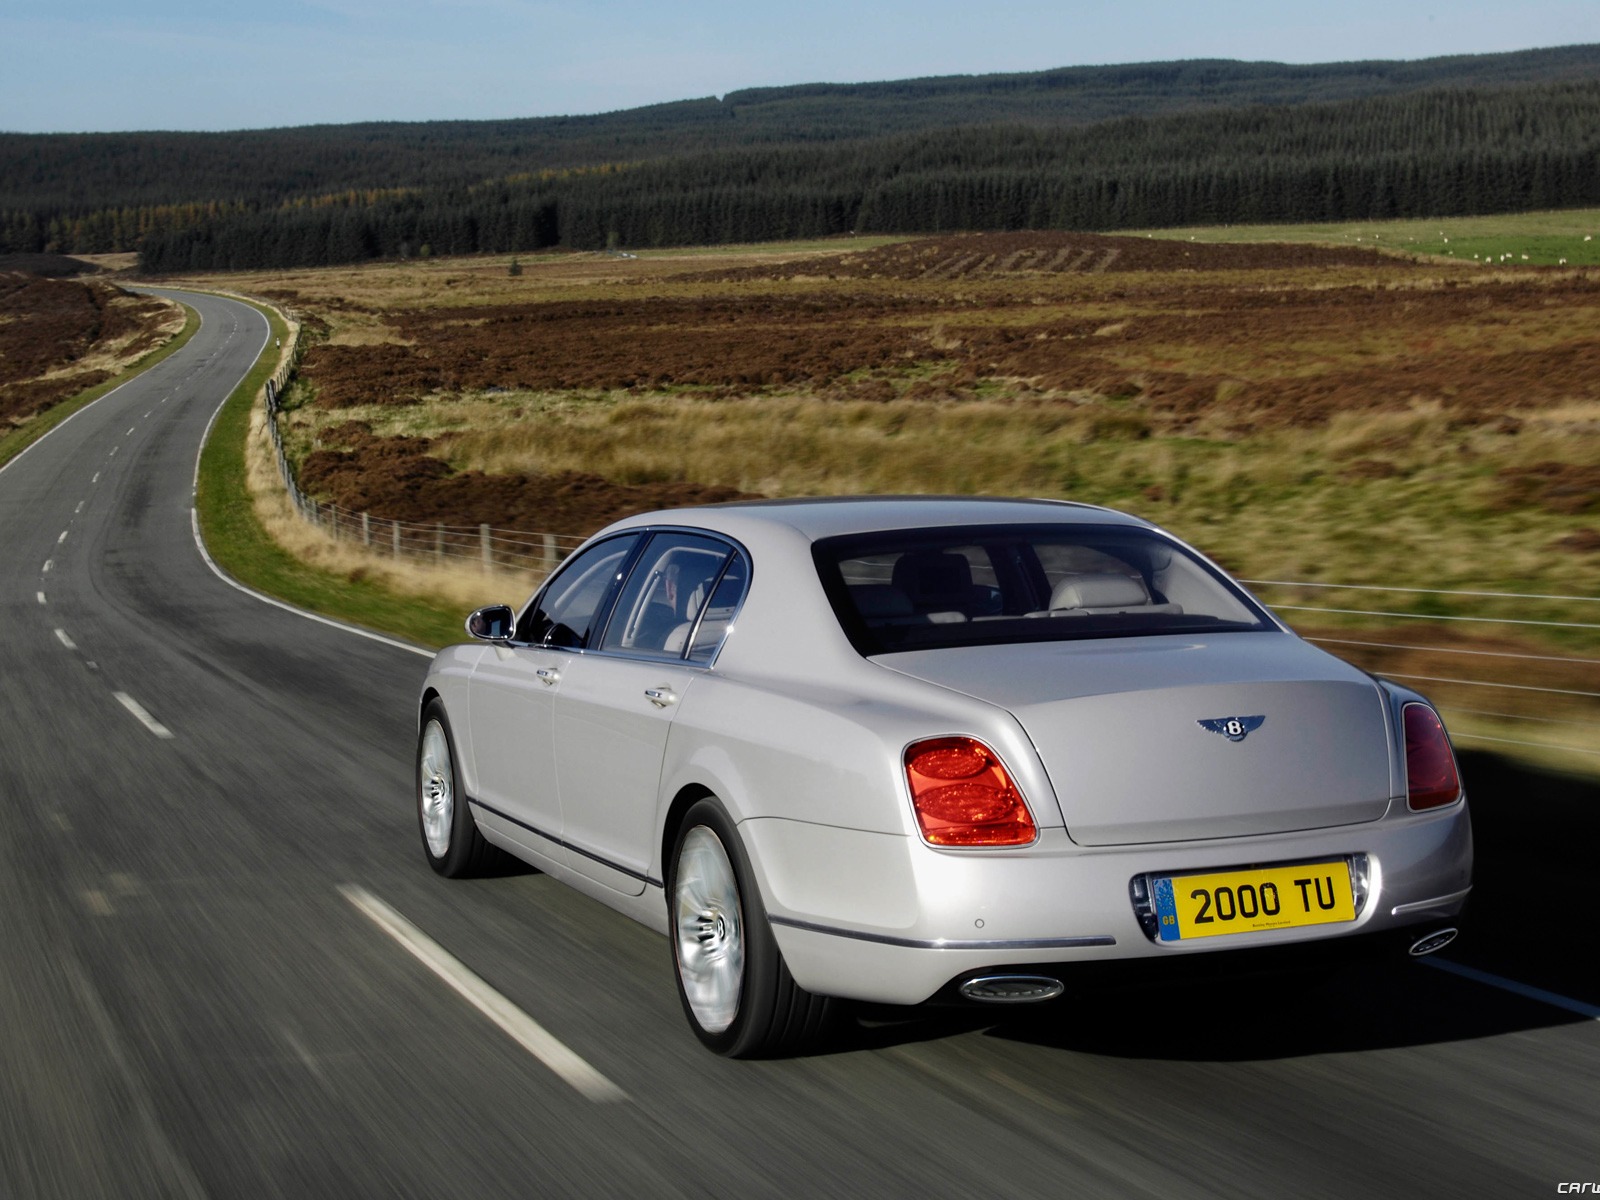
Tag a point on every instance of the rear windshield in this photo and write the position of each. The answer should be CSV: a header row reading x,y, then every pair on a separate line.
x,y
978,585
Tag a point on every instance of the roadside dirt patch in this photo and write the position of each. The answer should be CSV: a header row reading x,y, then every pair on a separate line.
x,y
396,478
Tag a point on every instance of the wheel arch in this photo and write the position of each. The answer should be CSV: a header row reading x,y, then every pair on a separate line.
x,y
686,798
429,695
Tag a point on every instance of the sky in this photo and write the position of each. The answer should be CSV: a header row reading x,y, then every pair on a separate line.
x,y
113,65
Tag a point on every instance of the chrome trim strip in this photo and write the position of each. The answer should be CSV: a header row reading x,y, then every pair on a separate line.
x,y
1064,943
562,842
1400,910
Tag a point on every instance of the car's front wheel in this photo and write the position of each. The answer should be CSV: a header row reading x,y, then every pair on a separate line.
x,y
736,990
450,836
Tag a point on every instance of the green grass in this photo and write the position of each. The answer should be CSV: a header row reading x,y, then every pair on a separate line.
x,y
26,434
1545,237
240,546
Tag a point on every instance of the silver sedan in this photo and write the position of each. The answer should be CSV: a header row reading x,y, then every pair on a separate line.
x,y
905,750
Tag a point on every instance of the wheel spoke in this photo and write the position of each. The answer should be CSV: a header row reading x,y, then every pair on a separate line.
x,y
436,781
709,928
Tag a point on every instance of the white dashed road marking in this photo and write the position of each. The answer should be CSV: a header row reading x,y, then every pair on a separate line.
x,y
62,538
41,597
61,636
143,717
522,1028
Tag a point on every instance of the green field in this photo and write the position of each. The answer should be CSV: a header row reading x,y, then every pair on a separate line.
x,y
1538,239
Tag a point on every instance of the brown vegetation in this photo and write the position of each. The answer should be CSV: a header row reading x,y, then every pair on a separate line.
x,y
396,477
60,336
963,256
1263,335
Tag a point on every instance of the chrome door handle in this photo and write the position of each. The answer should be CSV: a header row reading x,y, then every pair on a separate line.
x,y
549,675
661,697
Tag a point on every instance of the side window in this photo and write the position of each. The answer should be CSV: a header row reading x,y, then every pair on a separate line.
x,y
565,612
665,594
719,611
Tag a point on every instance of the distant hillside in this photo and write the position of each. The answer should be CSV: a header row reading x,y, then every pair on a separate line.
x,y
103,192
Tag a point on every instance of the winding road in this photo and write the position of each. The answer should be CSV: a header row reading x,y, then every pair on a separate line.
x,y
226,971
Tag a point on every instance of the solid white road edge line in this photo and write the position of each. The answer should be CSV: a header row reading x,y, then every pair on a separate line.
x,y
194,524
522,1029
144,718
194,521
1515,988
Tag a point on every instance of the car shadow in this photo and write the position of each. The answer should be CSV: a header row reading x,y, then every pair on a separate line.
x,y
1537,836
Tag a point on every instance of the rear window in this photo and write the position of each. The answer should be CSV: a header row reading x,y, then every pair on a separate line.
x,y
920,588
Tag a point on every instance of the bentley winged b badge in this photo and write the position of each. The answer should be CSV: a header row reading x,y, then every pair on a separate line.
x,y
1232,728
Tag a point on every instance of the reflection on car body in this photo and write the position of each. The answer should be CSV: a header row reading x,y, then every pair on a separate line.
x,y
913,749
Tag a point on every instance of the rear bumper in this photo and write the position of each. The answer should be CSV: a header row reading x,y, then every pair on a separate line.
x,y
904,922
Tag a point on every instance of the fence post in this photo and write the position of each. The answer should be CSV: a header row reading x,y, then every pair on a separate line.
x,y
366,529
438,544
549,553
483,539
394,533
333,511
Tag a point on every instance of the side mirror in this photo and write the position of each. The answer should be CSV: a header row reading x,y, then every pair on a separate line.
x,y
494,623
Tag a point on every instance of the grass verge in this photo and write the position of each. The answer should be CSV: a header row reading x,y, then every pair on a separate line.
x,y
25,435
241,547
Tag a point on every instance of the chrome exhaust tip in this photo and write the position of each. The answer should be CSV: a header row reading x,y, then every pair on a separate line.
x,y
1011,989
1432,942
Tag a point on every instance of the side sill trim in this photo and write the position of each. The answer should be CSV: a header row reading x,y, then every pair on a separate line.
x,y
1400,910
566,845
1063,943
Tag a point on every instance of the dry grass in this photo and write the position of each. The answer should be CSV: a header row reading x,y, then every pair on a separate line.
x,y
1378,498
466,589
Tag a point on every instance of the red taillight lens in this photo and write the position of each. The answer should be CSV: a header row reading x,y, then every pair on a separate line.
x,y
1431,778
963,796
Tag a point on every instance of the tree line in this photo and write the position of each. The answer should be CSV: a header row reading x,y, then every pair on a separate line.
x,y
108,190
1439,153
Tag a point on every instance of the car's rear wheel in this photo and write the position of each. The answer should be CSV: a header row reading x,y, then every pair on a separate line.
x,y
736,990
450,836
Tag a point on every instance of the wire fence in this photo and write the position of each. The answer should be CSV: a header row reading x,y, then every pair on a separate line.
x,y
1519,670
483,546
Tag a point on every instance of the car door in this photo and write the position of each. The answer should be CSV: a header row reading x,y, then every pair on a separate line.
x,y
514,691
617,703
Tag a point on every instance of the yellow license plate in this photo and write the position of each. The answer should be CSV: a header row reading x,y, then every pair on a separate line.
x,y
1196,906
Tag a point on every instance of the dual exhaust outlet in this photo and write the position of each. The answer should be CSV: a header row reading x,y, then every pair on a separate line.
x,y
1034,989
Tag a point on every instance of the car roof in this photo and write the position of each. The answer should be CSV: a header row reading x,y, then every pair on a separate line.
x,y
829,516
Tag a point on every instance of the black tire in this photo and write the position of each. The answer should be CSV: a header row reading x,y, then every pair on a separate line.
x,y
453,845
736,991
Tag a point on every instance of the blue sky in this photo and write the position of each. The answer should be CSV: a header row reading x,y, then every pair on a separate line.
x,y
81,65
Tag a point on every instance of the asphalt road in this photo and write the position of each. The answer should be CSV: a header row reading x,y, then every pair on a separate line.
x,y
192,783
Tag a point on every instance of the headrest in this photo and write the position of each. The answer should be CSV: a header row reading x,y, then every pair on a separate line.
x,y
932,573
879,600
1099,591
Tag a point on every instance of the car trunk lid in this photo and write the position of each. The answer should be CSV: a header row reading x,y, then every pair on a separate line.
x,y
1157,739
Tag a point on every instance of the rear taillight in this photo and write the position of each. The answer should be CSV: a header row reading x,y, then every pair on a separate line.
x,y
963,796
1431,778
